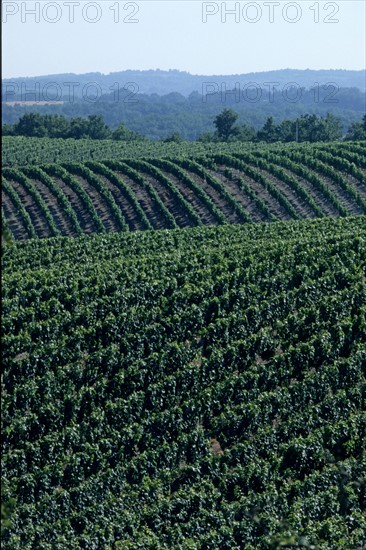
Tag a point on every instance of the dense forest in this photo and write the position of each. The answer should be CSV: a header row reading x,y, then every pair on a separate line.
x,y
159,116
306,128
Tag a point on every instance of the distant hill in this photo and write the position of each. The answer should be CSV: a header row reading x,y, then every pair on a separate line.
x,y
158,103
165,82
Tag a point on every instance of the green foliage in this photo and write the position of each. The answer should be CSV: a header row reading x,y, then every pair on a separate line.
x,y
199,388
306,128
193,113
175,137
57,126
357,130
269,133
92,127
141,186
224,123
122,133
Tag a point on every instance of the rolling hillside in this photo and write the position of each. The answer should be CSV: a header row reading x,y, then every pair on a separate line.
x,y
173,81
164,187
196,389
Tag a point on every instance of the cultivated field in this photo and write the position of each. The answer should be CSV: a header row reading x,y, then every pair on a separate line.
x,y
198,388
158,187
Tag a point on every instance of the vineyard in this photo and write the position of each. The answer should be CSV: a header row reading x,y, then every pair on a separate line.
x,y
55,188
198,388
19,150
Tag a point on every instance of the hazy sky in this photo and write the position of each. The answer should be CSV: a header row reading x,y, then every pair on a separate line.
x,y
81,36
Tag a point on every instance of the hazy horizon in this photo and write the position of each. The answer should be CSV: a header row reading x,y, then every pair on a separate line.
x,y
186,72
202,38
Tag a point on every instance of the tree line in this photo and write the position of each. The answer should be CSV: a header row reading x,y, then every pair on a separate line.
x,y
309,127
306,128
58,126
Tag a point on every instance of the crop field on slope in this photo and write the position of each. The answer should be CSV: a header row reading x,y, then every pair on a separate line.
x,y
229,184
200,388
21,150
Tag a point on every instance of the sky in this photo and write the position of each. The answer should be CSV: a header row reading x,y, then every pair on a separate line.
x,y
81,36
